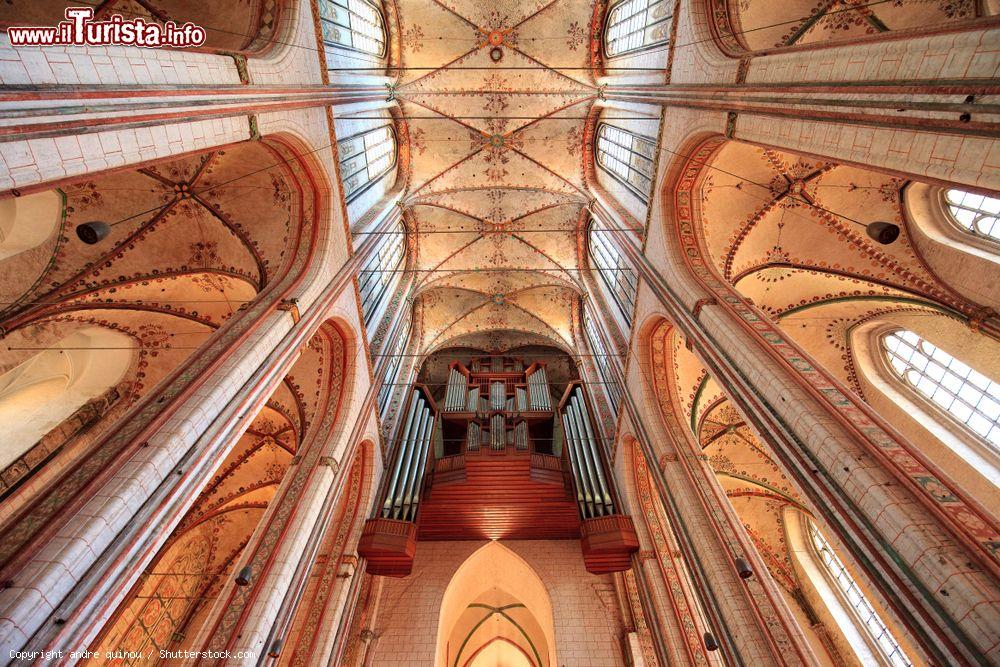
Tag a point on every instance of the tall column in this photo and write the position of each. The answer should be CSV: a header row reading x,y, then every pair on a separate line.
x,y
87,561
257,617
937,581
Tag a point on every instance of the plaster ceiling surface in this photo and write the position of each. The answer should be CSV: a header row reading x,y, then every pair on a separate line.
x,y
496,189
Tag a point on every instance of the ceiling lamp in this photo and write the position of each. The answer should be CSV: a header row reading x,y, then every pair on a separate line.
x,y
743,568
882,232
93,232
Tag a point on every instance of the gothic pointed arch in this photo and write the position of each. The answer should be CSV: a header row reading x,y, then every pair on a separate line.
x,y
174,601
734,218
248,215
494,582
757,26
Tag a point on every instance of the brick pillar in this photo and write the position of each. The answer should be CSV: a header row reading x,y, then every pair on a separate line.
x,y
911,545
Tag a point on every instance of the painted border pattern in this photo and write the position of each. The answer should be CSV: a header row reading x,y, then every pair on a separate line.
x,y
966,519
662,548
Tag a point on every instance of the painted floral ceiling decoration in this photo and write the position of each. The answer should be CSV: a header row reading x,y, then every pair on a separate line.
x,y
495,97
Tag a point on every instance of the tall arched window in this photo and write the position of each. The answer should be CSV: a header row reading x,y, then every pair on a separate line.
x,y
855,599
966,395
978,214
365,158
615,271
627,157
394,351
634,25
379,272
353,24
602,361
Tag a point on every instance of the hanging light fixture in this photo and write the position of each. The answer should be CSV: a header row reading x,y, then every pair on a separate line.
x,y
882,232
711,644
243,578
93,232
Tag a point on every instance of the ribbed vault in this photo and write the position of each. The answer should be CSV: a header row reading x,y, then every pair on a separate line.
x,y
496,183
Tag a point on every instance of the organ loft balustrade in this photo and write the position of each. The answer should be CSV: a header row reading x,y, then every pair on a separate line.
x,y
499,460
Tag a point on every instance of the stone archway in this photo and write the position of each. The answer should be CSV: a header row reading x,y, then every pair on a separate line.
x,y
495,597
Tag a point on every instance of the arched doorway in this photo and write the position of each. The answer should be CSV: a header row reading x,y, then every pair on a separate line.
x,y
495,611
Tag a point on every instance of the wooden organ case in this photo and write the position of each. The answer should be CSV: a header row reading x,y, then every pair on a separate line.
x,y
499,460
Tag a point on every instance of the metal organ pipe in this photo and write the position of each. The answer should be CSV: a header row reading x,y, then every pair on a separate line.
x,y
406,458
593,456
585,456
521,395
584,496
394,481
585,463
497,432
521,435
498,395
411,496
538,383
410,464
455,397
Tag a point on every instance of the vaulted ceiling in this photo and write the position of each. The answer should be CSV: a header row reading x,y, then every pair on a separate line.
x,y
495,97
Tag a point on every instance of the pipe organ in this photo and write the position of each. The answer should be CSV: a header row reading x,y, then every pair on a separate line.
x,y
609,538
388,541
500,460
402,494
528,393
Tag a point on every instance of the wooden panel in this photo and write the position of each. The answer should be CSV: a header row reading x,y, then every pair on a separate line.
x,y
502,495
608,543
389,547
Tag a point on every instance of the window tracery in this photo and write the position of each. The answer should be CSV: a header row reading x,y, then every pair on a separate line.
x,y
966,395
379,273
627,157
353,24
977,214
365,158
859,605
635,25
615,271
394,363
602,361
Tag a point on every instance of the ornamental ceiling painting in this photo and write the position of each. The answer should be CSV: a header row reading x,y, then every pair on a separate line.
x,y
495,97
763,24
763,214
